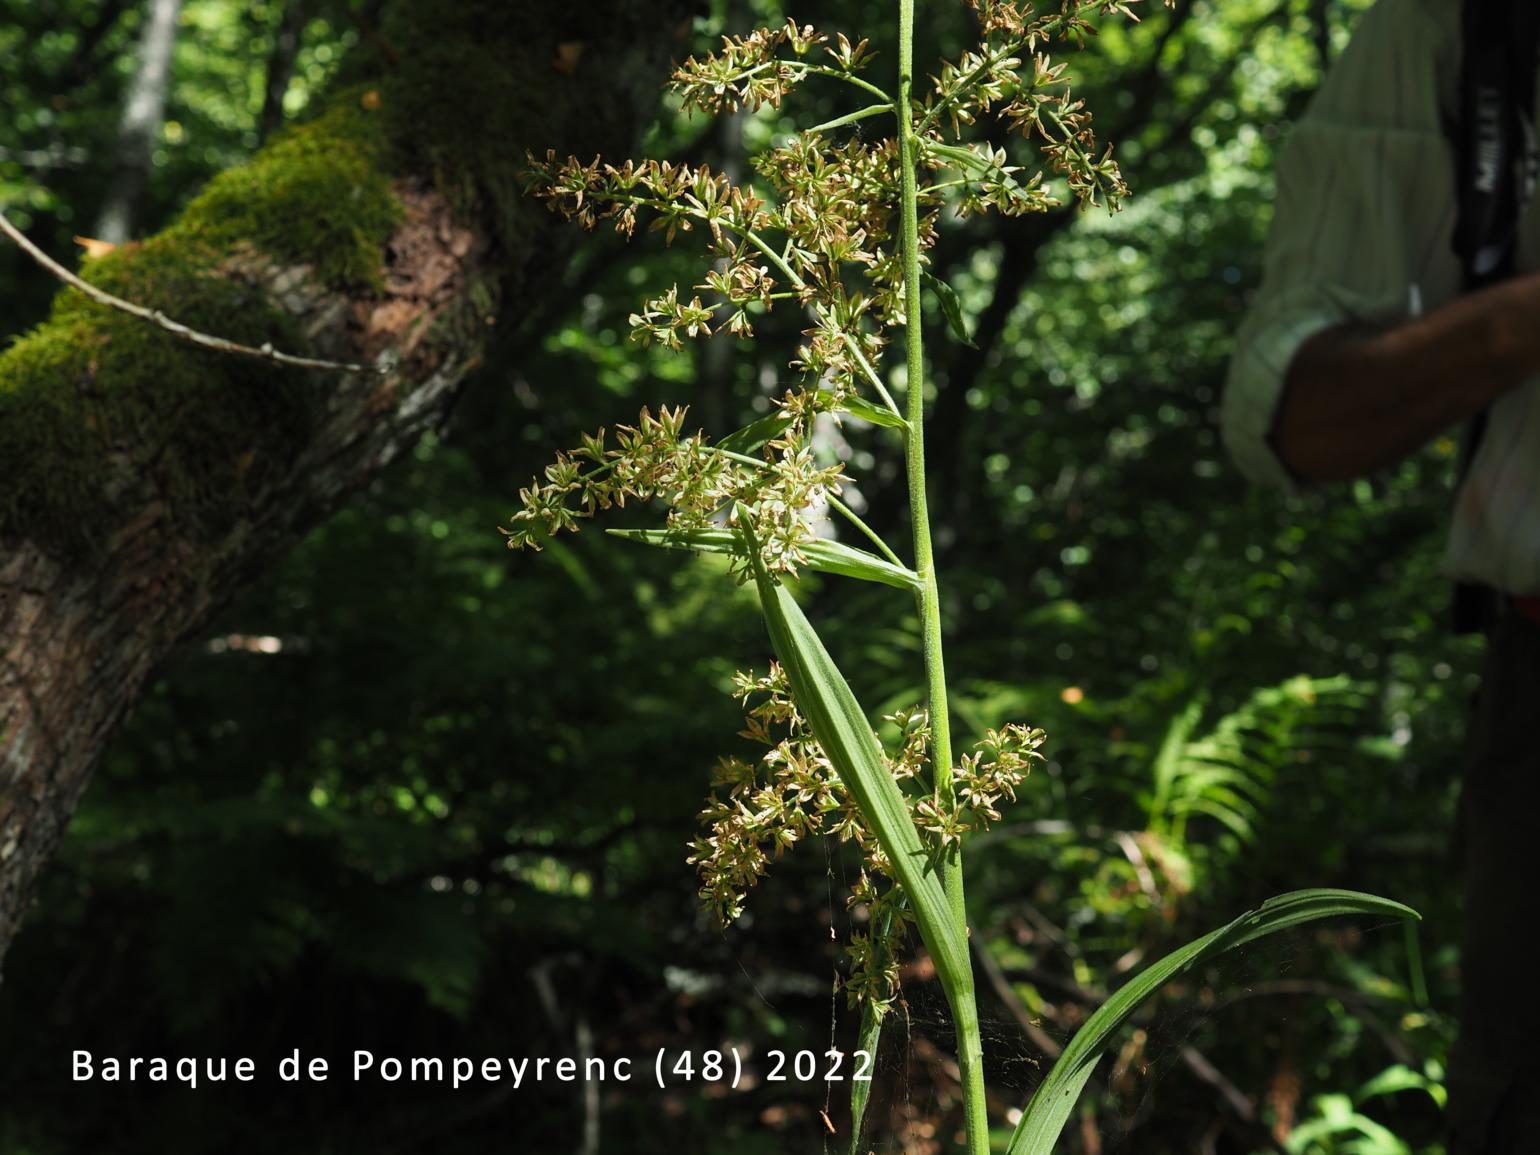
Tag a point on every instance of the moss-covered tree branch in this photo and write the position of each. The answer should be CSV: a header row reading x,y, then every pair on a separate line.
x,y
144,481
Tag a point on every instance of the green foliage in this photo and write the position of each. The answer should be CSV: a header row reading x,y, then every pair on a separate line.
x,y
1339,1125
843,207
1049,1111
536,737
1227,774
67,67
316,196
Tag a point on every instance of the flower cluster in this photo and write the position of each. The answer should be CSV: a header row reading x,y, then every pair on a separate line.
x,y
833,212
838,208
748,72
652,459
838,352
817,227
1038,104
1000,762
792,793
989,181
680,195
872,974
767,806
663,318
758,810
1020,22
779,500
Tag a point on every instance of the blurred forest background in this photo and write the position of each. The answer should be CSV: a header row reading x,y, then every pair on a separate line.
x,y
416,794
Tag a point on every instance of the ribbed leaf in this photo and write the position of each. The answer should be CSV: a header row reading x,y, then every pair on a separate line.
x,y
876,414
822,555
842,729
755,434
1050,1107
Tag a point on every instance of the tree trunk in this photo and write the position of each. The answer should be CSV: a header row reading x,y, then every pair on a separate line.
x,y
280,66
143,110
123,521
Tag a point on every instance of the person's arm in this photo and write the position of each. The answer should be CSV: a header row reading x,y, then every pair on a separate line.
x,y
1355,399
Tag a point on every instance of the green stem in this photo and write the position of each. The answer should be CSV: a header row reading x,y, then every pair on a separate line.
x,y
849,78
776,259
964,1009
854,346
852,117
850,515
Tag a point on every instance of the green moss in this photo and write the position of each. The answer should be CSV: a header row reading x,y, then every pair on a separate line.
x,y
93,396
460,105
318,194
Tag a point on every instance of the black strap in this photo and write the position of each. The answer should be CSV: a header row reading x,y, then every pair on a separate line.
x,y
1496,146
1498,160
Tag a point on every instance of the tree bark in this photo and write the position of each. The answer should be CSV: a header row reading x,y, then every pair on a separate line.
x,y
143,110
82,632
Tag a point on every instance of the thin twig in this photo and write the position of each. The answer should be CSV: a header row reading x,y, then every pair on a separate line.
x,y
175,328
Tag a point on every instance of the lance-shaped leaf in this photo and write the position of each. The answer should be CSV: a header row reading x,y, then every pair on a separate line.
x,y
822,555
861,1089
876,414
755,434
842,729
1050,1107
870,1038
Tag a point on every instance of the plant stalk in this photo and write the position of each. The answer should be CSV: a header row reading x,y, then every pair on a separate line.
x,y
970,1059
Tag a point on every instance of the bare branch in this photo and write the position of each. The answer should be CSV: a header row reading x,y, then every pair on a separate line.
x,y
175,328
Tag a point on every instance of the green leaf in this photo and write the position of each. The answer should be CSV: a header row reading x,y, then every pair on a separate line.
x,y
1050,1107
822,555
842,729
876,414
870,1037
861,1089
952,308
962,158
755,434
1394,1080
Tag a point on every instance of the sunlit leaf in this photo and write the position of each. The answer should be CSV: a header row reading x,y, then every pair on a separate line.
x,y
842,729
1050,1108
876,414
822,555
755,434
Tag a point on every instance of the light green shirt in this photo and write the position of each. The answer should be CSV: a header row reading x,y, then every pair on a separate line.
x,y
1363,232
